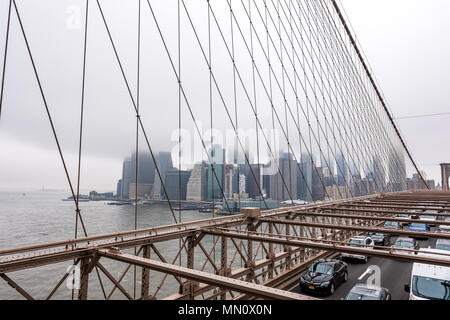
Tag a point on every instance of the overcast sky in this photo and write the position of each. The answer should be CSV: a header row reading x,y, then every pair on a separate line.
x,y
406,43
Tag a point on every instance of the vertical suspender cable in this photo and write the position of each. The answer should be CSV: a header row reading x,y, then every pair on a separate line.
x,y
4,57
138,83
377,91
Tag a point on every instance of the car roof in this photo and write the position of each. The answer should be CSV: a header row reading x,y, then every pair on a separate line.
x,y
327,261
359,237
367,290
405,239
443,241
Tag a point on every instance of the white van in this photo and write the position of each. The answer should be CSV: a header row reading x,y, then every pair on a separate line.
x,y
429,282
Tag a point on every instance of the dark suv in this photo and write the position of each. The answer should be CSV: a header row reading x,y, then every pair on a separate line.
x,y
324,276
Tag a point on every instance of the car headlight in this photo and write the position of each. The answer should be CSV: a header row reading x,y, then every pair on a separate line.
x,y
302,280
325,284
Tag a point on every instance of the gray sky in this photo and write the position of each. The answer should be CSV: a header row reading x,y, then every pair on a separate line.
x,y
405,42
407,45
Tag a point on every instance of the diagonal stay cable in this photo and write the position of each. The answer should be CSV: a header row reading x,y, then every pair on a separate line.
x,y
4,57
136,110
220,93
44,99
185,97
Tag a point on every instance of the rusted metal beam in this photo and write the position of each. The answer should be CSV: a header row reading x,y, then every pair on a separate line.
x,y
205,277
437,235
122,276
386,212
410,207
62,280
113,280
368,218
443,261
145,279
16,286
84,281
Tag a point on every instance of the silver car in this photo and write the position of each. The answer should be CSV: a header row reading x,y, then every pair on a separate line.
x,y
368,292
445,228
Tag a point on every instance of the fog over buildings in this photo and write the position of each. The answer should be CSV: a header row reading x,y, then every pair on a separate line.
x,y
406,46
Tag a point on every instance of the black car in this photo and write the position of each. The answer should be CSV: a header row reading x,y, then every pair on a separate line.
x,y
324,276
403,216
381,239
368,292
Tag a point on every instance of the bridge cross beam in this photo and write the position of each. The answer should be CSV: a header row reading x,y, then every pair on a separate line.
x,y
145,286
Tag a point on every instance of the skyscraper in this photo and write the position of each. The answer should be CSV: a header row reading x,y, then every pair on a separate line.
x,y
342,170
127,177
305,178
318,190
174,178
228,180
146,174
283,184
164,162
253,181
216,173
196,189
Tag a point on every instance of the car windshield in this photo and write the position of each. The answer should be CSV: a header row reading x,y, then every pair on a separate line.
x,y
428,217
430,288
361,296
391,224
356,242
402,215
404,244
418,225
322,268
443,245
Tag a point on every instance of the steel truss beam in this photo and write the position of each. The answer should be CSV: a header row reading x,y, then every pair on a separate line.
x,y
283,240
278,264
205,277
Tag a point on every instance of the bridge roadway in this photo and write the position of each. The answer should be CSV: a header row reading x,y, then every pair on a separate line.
x,y
394,274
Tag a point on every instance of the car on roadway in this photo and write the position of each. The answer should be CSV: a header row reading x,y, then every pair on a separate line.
x,y
368,292
442,244
324,276
380,239
393,225
403,216
413,214
443,227
429,282
429,217
359,242
418,226
405,243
